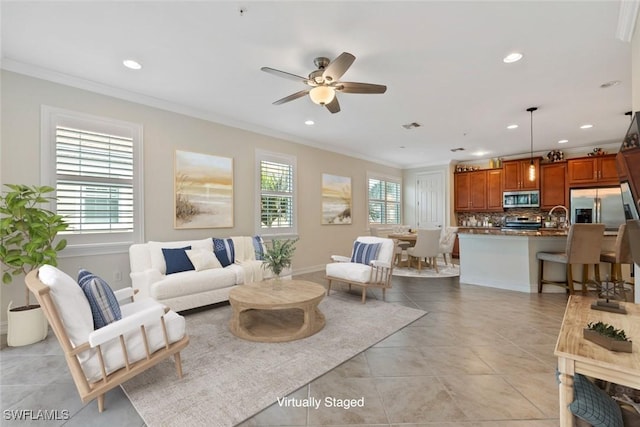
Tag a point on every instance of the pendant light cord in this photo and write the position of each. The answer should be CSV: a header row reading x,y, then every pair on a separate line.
x,y
531,110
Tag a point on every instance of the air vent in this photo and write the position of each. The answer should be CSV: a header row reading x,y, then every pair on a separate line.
x,y
457,149
412,125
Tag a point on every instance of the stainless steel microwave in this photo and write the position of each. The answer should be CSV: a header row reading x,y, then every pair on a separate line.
x,y
521,199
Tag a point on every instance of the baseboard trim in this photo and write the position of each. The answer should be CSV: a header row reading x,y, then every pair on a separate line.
x,y
312,269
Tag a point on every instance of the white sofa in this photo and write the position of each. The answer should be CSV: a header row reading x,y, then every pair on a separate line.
x,y
191,289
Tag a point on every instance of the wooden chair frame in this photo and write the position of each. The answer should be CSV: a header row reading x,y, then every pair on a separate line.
x,y
97,389
379,277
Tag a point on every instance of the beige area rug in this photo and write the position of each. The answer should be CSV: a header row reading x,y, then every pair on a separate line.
x,y
227,379
443,271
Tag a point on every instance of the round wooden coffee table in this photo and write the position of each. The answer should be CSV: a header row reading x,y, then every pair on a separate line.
x,y
262,313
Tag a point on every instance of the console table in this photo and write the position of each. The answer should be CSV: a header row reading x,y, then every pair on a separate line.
x,y
577,355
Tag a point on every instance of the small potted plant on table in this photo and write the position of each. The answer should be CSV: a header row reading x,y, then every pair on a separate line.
x,y
608,337
27,234
277,257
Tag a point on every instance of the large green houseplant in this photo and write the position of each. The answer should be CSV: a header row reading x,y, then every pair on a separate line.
x,y
27,240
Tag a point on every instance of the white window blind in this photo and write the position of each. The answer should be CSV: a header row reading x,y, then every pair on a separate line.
x,y
95,164
277,194
94,180
384,196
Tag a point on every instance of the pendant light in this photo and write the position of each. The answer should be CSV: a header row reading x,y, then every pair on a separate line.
x,y
532,167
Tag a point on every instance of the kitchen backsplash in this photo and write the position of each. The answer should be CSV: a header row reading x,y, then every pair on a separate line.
x,y
496,219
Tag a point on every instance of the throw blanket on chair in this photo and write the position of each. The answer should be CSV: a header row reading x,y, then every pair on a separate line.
x,y
245,256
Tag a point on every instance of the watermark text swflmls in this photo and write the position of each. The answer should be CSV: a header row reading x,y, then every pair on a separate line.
x,y
315,403
36,414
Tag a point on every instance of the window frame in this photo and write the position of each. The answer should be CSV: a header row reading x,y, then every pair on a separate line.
x,y
284,232
98,243
386,179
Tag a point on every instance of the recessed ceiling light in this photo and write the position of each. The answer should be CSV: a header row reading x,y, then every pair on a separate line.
x,y
610,84
130,63
512,57
512,127
309,122
480,153
563,141
587,126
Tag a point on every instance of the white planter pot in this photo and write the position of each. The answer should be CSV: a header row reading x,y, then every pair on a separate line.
x,y
26,326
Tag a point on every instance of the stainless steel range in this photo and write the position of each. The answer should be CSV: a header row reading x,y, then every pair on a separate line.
x,y
522,222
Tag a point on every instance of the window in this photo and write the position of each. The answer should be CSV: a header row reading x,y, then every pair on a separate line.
x,y
276,181
384,200
94,165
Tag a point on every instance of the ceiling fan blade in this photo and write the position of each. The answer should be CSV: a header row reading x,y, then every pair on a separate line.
x,y
353,87
292,97
333,106
285,75
338,67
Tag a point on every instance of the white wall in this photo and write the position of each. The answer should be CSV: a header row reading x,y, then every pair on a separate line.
x,y
635,101
164,132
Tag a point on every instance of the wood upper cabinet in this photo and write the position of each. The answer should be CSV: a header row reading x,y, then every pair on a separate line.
x,y
598,170
470,191
516,175
553,188
494,190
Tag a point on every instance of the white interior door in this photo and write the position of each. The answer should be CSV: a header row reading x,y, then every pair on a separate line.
x,y
430,199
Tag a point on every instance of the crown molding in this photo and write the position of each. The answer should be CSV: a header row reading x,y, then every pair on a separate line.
x,y
627,19
30,70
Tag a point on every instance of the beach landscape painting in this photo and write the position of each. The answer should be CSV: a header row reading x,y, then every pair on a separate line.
x,y
203,191
336,199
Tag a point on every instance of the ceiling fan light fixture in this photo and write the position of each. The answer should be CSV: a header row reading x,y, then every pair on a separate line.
x,y
322,95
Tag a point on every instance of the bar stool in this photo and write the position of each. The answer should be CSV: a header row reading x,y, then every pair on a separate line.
x,y
584,243
620,255
633,228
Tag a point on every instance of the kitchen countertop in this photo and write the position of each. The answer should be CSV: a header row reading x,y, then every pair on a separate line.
x,y
497,231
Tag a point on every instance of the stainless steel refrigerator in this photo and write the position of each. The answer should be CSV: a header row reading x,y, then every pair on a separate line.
x,y
597,205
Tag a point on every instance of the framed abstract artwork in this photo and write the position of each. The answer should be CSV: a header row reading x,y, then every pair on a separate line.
x,y
203,191
336,199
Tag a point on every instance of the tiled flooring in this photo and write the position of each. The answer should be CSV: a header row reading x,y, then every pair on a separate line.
x,y
481,357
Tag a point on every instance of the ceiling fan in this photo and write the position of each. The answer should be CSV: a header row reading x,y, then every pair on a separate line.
x,y
325,82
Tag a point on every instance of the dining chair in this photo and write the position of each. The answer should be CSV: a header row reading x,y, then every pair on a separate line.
x,y
427,247
447,241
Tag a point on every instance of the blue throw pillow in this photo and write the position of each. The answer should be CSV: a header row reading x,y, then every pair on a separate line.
x,y
104,305
177,260
364,253
594,405
223,248
258,246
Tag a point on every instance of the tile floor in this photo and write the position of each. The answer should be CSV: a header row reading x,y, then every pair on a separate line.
x,y
481,357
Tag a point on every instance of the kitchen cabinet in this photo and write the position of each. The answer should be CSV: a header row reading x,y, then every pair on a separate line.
x,y
494,190
595,170
553,185
470,191
516,175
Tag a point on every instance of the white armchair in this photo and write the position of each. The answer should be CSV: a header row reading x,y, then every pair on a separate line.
x,y
104,358
370,265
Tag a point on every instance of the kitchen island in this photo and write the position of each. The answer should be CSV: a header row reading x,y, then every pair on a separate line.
x,y
507,259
